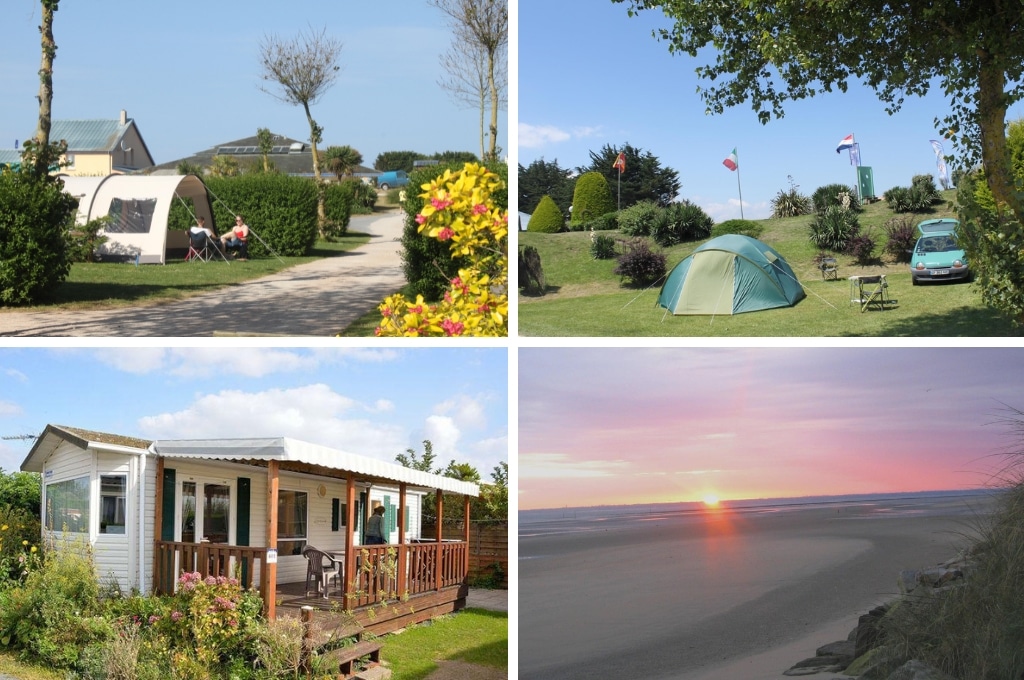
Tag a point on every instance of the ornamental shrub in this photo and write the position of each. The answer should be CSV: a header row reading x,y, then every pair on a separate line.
x,y
531,273
742,227
546,218
364,196
429,264
609,222
790,203
833,229
602,247
638,219
280,209
339,203
925,185
679,222
592,198
461,209
902,236
835,195
35,220
862,247
640,265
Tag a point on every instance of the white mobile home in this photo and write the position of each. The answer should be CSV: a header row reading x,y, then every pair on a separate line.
x,y
246,507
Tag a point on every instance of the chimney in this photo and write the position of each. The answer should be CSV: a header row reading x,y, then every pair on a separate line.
x,y
124,117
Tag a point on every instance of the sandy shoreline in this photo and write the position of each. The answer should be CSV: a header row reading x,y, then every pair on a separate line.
x,y
730,595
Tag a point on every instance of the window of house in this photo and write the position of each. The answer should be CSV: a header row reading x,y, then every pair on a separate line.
x,y
291,522
339,514
67,506
113,494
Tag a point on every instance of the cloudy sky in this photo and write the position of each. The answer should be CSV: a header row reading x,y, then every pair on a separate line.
x,y
636,425
372,402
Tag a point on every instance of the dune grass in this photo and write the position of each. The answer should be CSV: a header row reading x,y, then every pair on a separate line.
x,y
586,298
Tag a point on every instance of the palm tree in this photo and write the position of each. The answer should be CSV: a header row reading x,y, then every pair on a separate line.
x,y
341,160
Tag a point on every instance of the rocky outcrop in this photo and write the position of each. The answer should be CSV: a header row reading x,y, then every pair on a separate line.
x,y
858,654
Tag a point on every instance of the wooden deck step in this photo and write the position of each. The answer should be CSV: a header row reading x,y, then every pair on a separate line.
x,y
346,657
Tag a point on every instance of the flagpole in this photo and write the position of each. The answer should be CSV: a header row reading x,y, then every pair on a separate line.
x,y
739,188
618,188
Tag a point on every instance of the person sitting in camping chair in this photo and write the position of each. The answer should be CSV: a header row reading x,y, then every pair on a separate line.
x,y
237,238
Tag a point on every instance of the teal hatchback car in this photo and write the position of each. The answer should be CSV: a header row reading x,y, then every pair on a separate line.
x,y
937,256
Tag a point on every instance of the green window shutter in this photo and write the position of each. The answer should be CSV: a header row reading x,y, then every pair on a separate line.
x,y
244,497
407,519
167,520
335,514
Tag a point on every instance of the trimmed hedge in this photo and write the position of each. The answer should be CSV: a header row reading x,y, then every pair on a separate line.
x,y
546,218
592,198
280,209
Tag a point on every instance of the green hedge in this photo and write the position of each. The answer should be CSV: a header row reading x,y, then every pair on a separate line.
x,y
546,218
280,209
592,198
35,220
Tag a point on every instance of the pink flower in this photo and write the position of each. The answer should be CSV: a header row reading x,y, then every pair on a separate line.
x,y
440,204
153,619
452,327
447,297
445,234
176,616
416,309
420,219
479,209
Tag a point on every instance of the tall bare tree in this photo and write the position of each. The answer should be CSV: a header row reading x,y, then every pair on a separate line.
x,y
468,80
39,154
300,71
484,25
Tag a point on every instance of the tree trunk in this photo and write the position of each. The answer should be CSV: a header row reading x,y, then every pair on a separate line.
x,y
494,105
321,209
49,50
992,121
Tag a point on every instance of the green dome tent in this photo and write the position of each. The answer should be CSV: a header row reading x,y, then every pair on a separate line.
x,y
730,274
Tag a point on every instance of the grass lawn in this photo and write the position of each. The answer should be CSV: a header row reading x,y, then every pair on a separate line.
x,y
10,665
475,636
585,298
109,284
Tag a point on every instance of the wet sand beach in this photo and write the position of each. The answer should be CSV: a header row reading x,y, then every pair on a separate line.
x,y
739,594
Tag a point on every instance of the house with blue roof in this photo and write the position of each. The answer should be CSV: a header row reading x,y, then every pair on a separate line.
x,y
96,147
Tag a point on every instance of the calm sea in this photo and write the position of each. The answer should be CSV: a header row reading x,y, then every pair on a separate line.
x,y
551,521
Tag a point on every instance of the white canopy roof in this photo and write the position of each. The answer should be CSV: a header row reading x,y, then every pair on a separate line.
x,y
287,450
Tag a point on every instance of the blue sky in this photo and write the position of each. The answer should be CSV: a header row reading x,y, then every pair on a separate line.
x,y
374,402
595,77
188,73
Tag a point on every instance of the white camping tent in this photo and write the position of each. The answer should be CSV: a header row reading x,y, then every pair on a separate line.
x,y
139,206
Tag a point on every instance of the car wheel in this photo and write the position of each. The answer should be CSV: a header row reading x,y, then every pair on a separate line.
x,y
384,187
914,281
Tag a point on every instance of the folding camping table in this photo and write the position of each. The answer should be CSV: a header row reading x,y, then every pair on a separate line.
x,y
868,291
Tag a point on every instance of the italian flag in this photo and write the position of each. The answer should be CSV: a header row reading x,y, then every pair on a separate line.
x,y
733,161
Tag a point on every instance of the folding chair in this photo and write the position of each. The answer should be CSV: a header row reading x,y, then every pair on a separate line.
x,y
871,291
199,247
319,573
829,269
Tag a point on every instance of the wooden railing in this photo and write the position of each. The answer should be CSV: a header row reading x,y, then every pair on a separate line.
x,y
245,563
428,566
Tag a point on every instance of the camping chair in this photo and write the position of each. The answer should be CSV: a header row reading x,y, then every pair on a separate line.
x,y
829,269
871,291
318,572
199,247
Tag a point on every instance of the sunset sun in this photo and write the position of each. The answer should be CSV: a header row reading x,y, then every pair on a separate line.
x,y
710,500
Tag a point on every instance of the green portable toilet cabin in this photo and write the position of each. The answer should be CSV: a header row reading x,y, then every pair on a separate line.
x,y
730,274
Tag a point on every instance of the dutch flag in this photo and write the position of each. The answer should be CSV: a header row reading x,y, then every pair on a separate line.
x,y
847,143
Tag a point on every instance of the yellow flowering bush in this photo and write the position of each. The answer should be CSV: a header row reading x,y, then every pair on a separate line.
x,y
457,207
